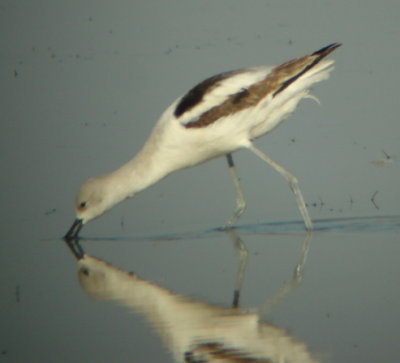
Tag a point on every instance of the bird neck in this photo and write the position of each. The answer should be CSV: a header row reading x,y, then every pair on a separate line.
x,y
144,170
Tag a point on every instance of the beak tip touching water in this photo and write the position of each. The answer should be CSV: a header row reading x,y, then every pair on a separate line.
x,y
75,229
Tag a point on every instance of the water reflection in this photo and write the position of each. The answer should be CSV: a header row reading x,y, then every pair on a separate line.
x,y
346,224
196,331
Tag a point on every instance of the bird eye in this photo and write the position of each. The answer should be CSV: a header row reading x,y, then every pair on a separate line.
x,y
85,271
82,205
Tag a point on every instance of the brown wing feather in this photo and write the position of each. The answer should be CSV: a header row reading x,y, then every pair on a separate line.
x,y
196,94
280,78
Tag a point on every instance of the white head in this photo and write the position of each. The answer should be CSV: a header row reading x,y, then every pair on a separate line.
x,y
95,197
98,195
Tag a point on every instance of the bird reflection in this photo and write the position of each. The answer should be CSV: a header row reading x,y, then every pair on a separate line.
x,y
194,331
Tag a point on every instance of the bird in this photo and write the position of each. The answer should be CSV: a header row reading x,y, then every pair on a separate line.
x,y
220,115
193,331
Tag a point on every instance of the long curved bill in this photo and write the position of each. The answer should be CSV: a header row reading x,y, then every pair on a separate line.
x,y
75,229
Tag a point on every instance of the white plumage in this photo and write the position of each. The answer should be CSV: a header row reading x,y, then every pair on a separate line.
x,y
193,331
222,114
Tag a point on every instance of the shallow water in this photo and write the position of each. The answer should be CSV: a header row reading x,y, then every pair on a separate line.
x,y
81,86
343,308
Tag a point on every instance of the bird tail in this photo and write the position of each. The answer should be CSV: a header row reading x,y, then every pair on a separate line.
x,y
300,66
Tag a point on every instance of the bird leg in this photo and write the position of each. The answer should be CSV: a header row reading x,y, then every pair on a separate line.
x,y
243,256
291,285
240,201
293,183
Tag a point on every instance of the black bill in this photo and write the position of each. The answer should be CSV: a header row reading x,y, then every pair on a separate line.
x,y
74,230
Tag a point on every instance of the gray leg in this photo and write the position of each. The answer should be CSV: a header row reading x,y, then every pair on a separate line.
x,y
243,255
293,183
291,285
240,201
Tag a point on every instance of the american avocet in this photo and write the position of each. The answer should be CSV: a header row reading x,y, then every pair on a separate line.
x,y
222,114
193,331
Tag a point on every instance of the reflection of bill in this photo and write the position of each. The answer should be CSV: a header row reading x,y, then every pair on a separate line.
x,y
193,331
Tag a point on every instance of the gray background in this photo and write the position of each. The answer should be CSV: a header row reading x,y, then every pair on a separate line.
x,y
81,86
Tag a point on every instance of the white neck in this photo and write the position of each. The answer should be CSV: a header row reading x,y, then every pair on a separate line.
x,y
184,324
144,170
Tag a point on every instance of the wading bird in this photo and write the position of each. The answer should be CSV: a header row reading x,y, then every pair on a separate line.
x,y
218,116
193,331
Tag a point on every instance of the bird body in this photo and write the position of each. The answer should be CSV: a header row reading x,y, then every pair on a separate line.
x,y
220,115
193,331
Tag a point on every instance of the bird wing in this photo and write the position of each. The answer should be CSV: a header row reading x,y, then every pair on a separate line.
x,y
231,92
217,351
214,91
